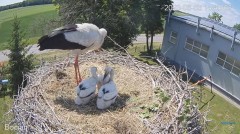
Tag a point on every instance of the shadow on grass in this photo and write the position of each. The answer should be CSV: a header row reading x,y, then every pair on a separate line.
x,y
205,103
3,93
147,54
146,57
91,107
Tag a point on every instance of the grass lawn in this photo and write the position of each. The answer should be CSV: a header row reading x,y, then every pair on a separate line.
x,y
5,103
50,56
28,16
221,112
139,50
179,13
24,11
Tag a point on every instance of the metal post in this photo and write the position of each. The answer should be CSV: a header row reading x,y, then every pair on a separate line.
x,y
210,77
233,40
211,32
169,15
199,19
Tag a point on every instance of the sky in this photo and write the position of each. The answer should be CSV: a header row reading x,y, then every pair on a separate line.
x,y
229,9
7,2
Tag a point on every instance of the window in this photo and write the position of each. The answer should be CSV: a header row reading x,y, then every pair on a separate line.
x,y
197,47
173,37
228,63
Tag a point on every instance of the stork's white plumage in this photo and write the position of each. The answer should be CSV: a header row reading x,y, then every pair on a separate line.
x,y
81,38
107,94
86,89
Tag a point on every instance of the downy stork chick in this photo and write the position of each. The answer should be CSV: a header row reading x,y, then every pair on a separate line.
x,y
108,92
86,89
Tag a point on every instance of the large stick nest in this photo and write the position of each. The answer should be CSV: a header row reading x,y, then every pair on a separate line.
x,y
46,103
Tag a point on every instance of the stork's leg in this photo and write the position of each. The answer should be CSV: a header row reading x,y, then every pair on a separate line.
x,y
77,71
79,75
75,67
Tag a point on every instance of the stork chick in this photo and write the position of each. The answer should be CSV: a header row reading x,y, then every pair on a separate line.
x,y
108,92
86,89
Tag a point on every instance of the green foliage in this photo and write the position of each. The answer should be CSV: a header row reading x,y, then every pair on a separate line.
x,y
149,110
120,18
162,97
185,116
19,62
237,26
215,16
153,13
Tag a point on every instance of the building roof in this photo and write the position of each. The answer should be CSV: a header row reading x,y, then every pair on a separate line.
x,y
219,28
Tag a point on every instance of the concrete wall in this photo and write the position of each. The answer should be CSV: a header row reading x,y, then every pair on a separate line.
x,y
202,66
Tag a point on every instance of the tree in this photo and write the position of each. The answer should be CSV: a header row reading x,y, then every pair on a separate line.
x,y
19,62
237,26
215,16
121,18
152,23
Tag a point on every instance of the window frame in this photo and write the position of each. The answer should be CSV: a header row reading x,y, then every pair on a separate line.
x,y
225,61
193,46
170,37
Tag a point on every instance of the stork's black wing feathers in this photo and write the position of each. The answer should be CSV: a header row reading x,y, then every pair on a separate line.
x,y
63,29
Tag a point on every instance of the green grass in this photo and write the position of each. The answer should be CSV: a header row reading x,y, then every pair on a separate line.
x,y
50,56
140,50
24,11
5,103
220,111
30,17
180,13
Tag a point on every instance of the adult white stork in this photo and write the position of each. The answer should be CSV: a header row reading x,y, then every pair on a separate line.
x,y
86,89
81,38
107,94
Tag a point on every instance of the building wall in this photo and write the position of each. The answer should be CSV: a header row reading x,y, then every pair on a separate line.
x,y
202,66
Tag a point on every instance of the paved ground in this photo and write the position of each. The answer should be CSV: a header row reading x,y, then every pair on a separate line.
x,y
142,38
34,49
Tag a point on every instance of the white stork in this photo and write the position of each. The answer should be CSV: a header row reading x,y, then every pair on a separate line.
x,y
81,38
107,94
86,89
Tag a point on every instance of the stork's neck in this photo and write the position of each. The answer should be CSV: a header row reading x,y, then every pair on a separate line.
x,y
111,75
94,74
103,33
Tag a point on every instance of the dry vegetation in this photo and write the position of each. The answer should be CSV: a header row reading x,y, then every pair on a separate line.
x,y
152,99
